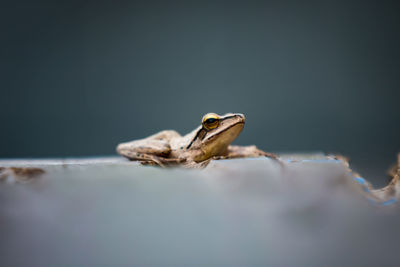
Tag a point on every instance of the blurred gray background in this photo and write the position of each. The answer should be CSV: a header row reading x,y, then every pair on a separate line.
x,y
79,77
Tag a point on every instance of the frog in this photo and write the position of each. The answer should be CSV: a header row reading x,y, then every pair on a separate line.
x,y
209,141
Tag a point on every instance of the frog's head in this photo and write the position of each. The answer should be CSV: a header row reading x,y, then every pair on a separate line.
x,y
216,134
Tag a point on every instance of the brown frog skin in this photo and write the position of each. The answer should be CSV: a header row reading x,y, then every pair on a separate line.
x,y
211,140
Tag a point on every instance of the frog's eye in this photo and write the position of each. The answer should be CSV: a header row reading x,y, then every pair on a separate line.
x,y
210,121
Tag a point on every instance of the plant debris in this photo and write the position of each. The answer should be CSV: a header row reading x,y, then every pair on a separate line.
x,y
19,174
384,196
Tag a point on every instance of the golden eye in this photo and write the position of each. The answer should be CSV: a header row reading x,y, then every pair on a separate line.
x,y
210,121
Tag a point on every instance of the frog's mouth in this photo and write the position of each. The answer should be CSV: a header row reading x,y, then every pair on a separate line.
x,y
227,131
217,143
227,135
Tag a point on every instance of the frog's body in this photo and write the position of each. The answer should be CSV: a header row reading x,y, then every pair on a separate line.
x,y
211,140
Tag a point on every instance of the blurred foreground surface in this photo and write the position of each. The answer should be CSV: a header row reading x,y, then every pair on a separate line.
x,y
244,212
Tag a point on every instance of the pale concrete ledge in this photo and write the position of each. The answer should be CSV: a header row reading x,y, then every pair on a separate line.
x,y
243,212
123,161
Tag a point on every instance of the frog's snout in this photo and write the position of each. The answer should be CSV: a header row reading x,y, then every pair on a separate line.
x,y
121,147
241,116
